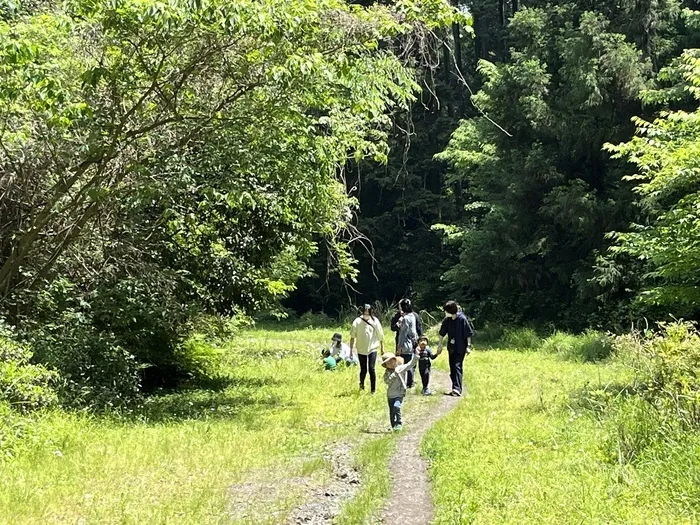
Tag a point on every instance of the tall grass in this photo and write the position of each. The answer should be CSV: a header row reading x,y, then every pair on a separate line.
x,y
519,450
175,459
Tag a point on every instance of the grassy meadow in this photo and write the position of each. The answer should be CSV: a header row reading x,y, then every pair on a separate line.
x,y
530,443
530,446
183,456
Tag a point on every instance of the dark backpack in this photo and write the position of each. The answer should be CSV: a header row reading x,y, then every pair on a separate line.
x,y
470,325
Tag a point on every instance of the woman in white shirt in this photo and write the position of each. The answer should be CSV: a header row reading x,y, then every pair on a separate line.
x,y
367,332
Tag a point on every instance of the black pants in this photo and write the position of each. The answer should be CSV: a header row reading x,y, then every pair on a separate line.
x,y
367,363
409,373
424,369
456,370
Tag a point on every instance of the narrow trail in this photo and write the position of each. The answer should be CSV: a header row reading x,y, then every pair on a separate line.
x,y
411,502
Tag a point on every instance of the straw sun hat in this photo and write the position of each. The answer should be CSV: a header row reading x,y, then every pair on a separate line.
x,y
389,357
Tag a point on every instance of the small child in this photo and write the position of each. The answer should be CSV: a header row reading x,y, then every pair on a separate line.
x,y
395,378
425,354
329,362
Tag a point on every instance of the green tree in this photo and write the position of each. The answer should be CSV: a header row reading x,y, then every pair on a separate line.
x,y
163,159
542,193
666,153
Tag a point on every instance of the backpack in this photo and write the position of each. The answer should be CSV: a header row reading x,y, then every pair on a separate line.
x,y
470,325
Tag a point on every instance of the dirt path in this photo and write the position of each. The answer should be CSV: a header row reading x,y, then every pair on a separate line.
x,y
411,502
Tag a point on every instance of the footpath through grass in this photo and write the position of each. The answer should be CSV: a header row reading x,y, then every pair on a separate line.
x,y
180,458
522,448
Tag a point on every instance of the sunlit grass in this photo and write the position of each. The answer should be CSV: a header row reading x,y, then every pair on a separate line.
x,y
174,461
520,450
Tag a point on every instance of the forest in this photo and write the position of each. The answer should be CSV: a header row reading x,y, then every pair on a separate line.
x,y
186,185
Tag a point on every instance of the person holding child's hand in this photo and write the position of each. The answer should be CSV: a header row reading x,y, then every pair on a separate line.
x,y
425,356
459,334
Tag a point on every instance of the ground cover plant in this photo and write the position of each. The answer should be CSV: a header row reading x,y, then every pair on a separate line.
x,y
176,459
543,439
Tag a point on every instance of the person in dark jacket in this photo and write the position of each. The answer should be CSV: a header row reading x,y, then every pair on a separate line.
x,y
397,323
425,356
459,333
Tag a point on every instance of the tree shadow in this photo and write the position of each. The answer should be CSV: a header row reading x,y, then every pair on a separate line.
x,y
216,398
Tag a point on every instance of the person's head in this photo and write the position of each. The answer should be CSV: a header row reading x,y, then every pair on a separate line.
x,y
406,306
451,309
368,310
422,342
337,339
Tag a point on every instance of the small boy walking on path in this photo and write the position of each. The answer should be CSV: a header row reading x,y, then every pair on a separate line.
x,y
395,378
425,356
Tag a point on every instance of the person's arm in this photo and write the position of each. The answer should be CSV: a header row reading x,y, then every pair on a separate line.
x,y
443,333
467,332
432,354
419,325
407,366
394,325
380,335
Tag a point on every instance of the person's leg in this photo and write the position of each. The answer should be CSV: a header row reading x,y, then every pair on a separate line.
x,y
372,361
456,364
397,411
424,369
453,369
391,411
409,373
363,370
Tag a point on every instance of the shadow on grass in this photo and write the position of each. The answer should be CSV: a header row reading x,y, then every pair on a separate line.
x,y
221,397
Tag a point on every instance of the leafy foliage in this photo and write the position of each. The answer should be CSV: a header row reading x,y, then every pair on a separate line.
x,y
666,152
164,160
23,386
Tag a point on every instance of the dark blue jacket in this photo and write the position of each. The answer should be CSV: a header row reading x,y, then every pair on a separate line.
x,y
457,331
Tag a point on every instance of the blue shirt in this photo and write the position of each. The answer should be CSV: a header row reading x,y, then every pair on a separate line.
x,y
457,332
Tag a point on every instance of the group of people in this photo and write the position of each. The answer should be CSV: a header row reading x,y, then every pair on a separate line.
x,y
411,350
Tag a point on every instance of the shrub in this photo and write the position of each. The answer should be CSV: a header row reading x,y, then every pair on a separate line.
x,y
668,367
23,386
198,358
95,369
491,333
316,320
521,339
587,347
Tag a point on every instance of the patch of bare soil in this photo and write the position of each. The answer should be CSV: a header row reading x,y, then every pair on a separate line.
x,y
326,502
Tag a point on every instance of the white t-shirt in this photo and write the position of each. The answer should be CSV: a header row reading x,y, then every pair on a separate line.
x,y
340,352
367,335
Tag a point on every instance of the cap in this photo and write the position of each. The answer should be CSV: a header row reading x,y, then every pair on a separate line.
x,y
337,337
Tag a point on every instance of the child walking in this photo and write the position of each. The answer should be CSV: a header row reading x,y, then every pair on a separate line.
x,y
395,378
425,355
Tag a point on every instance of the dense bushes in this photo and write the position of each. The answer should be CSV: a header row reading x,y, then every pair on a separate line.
x,y
23,386
667,370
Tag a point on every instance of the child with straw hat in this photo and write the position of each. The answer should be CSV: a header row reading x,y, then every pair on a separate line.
x,y
395,378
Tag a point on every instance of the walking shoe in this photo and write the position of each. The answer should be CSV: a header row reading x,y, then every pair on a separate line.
x,y
456,393
427,392
397,428
362,387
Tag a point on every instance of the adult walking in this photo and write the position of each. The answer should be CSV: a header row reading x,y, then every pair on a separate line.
x,y
459,334
399,313
407,336
366,331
